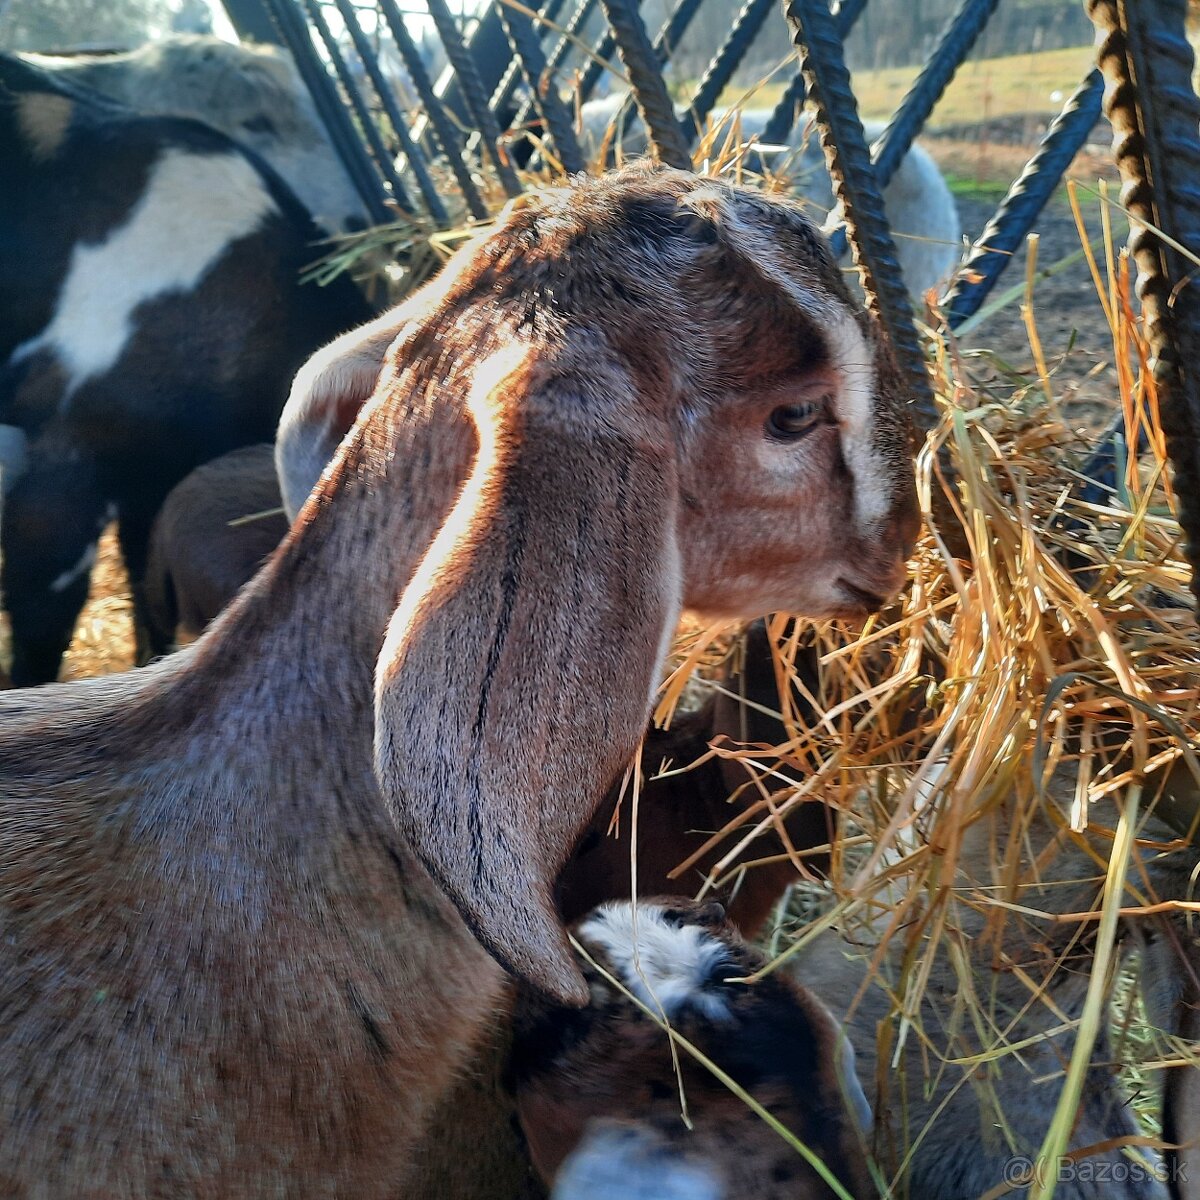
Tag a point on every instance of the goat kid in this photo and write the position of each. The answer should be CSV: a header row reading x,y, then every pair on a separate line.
x,y
247,892
203,549
473,1149
599,1096
151,318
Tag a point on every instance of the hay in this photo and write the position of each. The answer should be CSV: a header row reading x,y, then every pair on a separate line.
x,y
1000,734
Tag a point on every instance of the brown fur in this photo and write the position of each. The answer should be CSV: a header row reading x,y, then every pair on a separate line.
x,y
609,1066
474,1150
224,972
198,558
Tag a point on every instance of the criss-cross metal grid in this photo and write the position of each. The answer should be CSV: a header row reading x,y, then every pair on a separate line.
x,y
517,70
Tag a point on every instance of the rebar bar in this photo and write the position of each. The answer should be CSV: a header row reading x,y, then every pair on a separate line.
x,y
473,95
641,64
445,134
399,121
815,34
542,88
1148,62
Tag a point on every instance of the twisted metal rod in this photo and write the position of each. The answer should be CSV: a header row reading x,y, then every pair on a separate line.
x,y
598,63
787,112
1155,114
815,34
370,131
346,141
720,70
412,153
473,95
554,114
664,44
645,78
1012,220
445,134
502,96
954,45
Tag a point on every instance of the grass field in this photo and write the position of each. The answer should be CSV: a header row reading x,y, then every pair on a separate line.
x,y
983,89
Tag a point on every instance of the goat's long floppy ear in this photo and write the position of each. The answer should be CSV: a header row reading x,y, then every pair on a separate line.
x,y
327,395
516,677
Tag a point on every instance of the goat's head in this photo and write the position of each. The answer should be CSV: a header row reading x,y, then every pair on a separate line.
x,y
669,402
598,1091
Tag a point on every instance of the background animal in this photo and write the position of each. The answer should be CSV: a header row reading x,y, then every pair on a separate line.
x,y
599,1096
251,93
201,551
971,1093
151,318
918,202
250,892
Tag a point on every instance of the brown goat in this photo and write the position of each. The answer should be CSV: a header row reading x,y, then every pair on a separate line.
x,y
473,1149
201,553
248,893
599,1096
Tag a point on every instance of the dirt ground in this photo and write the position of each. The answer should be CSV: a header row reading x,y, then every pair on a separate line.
x,y
1069,318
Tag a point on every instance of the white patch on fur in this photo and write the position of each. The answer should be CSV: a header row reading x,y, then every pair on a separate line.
x,y
193,207
631,1163
87,560
854,362
14,454
665,966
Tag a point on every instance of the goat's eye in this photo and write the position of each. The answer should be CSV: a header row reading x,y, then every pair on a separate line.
x,y
790,422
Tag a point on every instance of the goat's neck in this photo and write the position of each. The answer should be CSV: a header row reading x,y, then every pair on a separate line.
x,y
293,660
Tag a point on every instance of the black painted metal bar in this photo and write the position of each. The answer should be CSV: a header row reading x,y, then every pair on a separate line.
x,y
1020,208
444,131
398,119
727,59
663,46
1155,113
542,87
953,47
815,33
370,130
472,90
604,50
787,112
252,21
345,138
558,56
501,102
642,66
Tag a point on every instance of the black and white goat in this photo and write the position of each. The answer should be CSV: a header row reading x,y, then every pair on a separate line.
x,y
151,318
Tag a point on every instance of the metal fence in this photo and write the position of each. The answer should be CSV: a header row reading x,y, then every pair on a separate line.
x,y
519,69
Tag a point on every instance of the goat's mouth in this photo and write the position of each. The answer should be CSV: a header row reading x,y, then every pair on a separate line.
x,y
863,601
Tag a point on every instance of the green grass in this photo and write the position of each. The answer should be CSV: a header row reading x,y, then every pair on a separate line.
x,y
967,187
982,89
